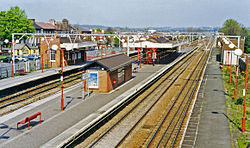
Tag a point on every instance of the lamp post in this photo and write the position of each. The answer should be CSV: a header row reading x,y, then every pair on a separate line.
x,y
237,52
42,61
245,94
227,59
47,53
154,56
219,44
55,47
6,41
231,46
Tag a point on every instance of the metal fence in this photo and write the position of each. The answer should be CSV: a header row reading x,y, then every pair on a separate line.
x,y
29,66
242,63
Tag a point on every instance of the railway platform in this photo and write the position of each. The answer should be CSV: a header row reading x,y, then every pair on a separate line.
x,y
14,84
58,125
33,76
208,126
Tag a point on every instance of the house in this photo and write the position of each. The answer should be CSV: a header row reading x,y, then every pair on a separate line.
x,y
25,50
42,27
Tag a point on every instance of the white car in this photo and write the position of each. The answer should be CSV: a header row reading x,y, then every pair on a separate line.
x,y
21,58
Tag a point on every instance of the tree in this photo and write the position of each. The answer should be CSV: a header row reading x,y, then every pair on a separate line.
x,y
232,27
14,21
247,43
109,30
98,30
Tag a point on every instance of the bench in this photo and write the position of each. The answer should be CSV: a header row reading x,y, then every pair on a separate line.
x,y
135,69
21,72
27,119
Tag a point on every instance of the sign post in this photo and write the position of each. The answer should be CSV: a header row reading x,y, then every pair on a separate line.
x,y
84,76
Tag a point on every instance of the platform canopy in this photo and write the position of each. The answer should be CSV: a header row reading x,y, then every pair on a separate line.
x,y
69,44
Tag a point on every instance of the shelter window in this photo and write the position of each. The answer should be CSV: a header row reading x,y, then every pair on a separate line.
x,y
120,75
79,55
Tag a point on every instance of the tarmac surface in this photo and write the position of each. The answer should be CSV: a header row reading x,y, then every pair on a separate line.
x,y
208,126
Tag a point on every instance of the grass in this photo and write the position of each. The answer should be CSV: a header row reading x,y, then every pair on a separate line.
x,y
235,107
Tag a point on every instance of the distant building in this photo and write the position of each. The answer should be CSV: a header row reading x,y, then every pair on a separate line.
x,y
42,27
52,26
25,50
73,52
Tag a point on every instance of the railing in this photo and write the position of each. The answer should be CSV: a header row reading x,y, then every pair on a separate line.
x,y
29,66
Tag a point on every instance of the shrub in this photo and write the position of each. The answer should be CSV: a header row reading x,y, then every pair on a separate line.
x,y
239,101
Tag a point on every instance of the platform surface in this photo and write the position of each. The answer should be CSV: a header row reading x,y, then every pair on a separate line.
x,y
208,126
55,121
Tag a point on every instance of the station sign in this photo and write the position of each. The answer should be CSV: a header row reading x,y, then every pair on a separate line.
x,y
85,76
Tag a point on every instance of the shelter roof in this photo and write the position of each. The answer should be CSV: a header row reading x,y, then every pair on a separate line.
x,y
113,62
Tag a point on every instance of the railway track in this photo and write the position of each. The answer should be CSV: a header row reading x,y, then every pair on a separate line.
x,y
22,98
156,117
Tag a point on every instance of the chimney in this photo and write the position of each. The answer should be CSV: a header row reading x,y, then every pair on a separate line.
x,y
52,21
65,22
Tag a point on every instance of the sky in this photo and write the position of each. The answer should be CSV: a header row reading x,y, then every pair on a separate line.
x,y
136,13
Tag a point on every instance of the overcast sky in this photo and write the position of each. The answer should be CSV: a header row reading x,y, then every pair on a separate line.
x,y
136,13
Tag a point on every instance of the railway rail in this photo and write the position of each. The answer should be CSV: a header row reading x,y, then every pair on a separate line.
x,y
12,102
135,120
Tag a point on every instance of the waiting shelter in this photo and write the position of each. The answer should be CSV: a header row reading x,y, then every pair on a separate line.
x,y
108,73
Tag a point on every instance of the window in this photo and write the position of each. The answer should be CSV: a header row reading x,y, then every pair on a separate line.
x,y
68,58
52,55
79,55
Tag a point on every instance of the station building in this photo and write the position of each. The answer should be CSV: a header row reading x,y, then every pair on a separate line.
x,y
108,73
70,51
155,49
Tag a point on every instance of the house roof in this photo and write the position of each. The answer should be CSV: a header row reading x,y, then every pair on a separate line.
x,y
19,46
111,63
78,27
36,26
67,40
45,25
159,39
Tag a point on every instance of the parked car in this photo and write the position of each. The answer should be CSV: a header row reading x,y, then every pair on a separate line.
x,y
25,57
8,60
21,58
33,57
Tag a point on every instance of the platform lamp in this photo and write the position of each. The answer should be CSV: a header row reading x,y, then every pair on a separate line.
x,y
231,46
219,44
237,52
55,47
245,94
6,41
227,59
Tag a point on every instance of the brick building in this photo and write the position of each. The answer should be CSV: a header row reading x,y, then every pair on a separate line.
x,y
108,73
74,52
